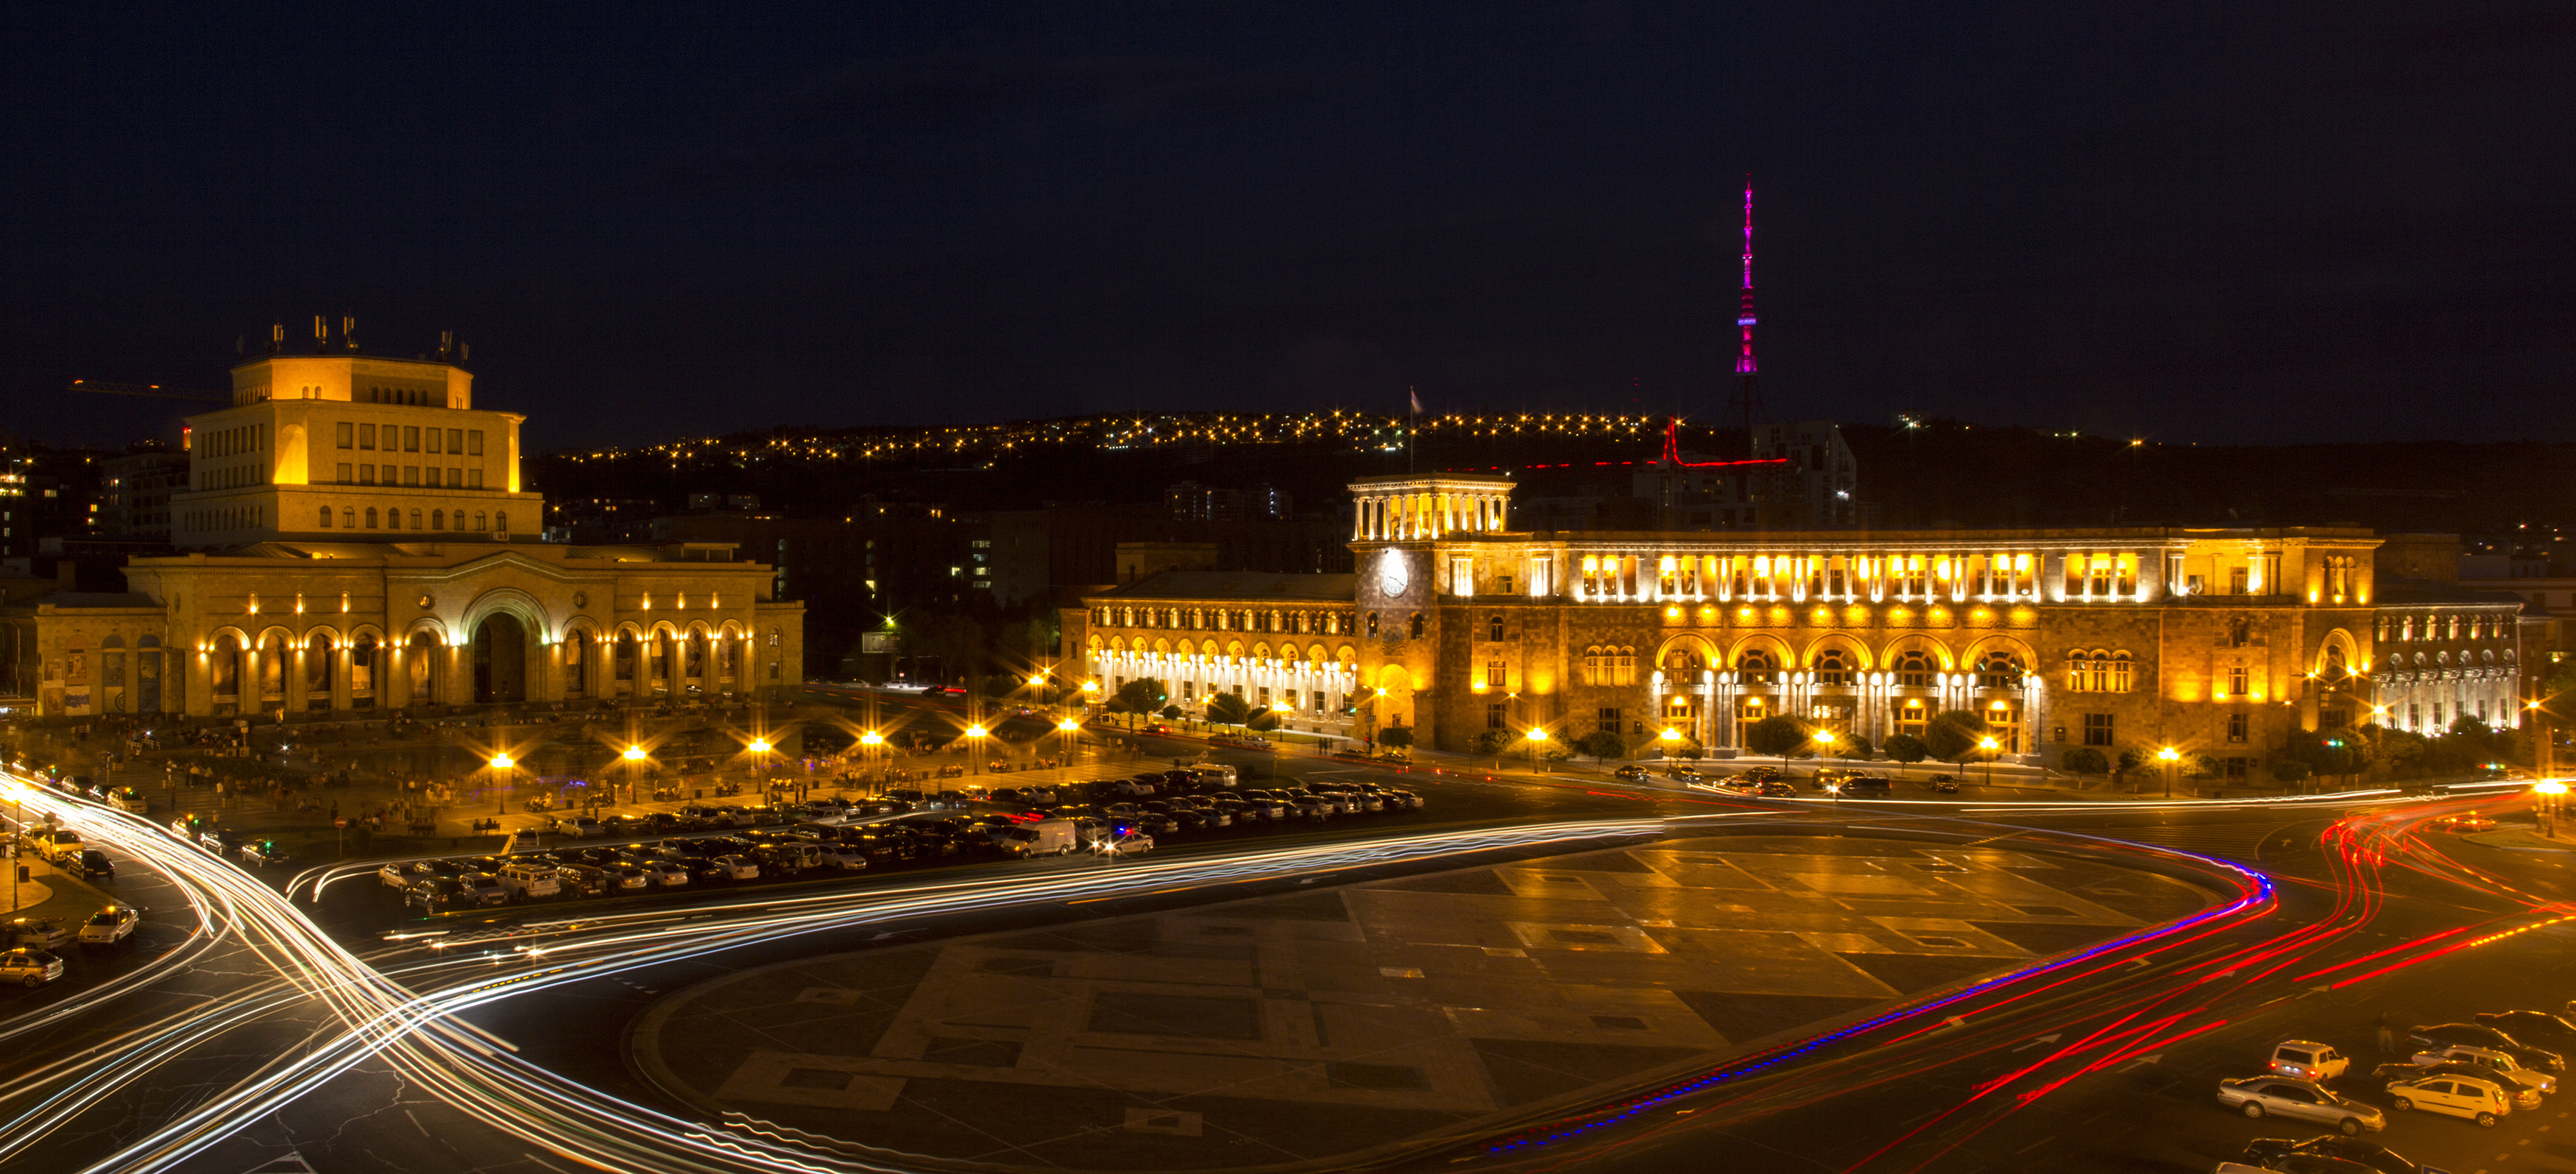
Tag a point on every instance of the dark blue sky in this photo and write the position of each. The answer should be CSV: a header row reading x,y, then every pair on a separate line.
x,y
2267,222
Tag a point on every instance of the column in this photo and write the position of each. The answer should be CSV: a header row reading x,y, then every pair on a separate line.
x,y
342,688
294,677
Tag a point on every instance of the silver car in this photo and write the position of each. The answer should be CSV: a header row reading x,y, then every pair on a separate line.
x,y
2305,1100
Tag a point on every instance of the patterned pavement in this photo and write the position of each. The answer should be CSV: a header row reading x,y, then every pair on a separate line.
x,y
1319,1027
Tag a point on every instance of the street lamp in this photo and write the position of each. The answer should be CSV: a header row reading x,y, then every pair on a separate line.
x,y
1530,744
1072,731
2169,756
974,743
634,760
1988,744
1825,738
501,765
2553,799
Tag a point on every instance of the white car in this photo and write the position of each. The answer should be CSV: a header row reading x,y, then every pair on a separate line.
x,y
2507,1072
29,967
399,875
2293,1097
843,857
737,867
2315,1061
109,926
2482,1101
666,873
1126,845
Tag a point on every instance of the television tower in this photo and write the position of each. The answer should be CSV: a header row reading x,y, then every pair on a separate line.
x,y
1748,388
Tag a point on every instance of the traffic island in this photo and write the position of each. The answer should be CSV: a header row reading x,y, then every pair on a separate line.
x,y
1345,1027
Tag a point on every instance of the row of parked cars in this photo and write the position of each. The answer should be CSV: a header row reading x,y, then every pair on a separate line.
x,y
2481,1071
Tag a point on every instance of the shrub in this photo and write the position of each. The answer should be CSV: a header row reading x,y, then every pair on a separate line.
x,y
2291,770
1779,735
1906,748
1953,734
2084,760
1229,709
1395,737
1602,745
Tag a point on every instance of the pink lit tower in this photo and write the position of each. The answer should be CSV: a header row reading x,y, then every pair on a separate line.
x,y
1748,389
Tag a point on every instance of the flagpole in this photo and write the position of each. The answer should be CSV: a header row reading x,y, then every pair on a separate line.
x,y
1412,431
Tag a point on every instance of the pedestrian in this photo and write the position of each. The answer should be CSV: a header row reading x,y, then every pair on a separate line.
x,y
2387,1035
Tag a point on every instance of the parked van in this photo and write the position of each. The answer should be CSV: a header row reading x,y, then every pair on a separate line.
x,y
789,857
1214,775
1045,837
523,881
2309,1059
480,888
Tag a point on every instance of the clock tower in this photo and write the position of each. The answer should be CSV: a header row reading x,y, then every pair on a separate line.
x,y
1398,526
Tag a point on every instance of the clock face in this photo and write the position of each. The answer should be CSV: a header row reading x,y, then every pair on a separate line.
x,y
1392,575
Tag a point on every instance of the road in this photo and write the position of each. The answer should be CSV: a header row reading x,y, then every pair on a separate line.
x,y
244,1028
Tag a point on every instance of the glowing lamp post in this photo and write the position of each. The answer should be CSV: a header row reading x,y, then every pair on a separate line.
x,y
1988,745
1530,744
2553,799
2169,756
1072,731
1825,739
632,760
501,765
974,743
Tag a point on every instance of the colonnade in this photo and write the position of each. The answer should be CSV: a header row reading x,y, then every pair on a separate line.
x,y
1432,513
1210,675
1875,700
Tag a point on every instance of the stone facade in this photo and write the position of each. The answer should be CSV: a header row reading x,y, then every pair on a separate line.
x,y
2216,642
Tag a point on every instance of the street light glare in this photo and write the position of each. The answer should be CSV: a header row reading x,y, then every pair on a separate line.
x,y
1537,735
501,762
974,731
635,753
760,745
1068,725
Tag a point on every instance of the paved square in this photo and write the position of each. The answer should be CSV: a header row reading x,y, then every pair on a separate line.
x,y
1320,1026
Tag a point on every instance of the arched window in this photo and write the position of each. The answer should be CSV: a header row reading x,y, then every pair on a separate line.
x,y
1417,625
2335,669
1625,669
1372,623
2121,674
1914,668
438,519
415,519
348,517
326,517
1494,628
1593,673
1999,669
479,527
371,517
1834,667
1754,666
1682,663
501,521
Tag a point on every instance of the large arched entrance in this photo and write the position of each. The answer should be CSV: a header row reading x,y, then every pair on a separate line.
x,y
500,660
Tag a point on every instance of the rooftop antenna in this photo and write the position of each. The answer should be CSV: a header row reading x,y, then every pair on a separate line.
x,y
446,343
276,337
321,333
1748,387
349,331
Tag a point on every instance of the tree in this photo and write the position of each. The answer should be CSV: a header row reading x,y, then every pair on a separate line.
x,y
1171,713
1906,748
1854,746
1682,747
1778,735
1953,734
1229,709
1493,742
2200,767
1261,719
1602,745
1396,737
2290,770
2084,760
1142,695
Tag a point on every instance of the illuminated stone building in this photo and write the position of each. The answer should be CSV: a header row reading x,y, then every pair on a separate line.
x,y
2214,641
349,545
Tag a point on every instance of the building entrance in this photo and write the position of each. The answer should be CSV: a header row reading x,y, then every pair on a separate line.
x,y
500,660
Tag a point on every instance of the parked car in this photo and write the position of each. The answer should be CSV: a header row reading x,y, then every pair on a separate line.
x,y
737,868
2297,1164
2306,1100
2479,1035
399,874
43,933
55,843
1631,773
130,800
2308,1058
109,926
1944,785
2482,1101
1046,837
91,864
2499,1067
29,967
2541,1027
432,895
1865,787
1687,774
526,880
668,874
2268,1152
481,888
262,852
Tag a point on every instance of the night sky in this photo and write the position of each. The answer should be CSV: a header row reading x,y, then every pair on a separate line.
x,y
2215,222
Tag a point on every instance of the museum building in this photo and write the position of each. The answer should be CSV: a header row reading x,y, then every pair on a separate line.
x,y
2213,641
354,549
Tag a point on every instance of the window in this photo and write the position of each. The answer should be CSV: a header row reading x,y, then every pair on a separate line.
x,y
345,434
415,519
1493,714
1417,625
2098,729
344,472
1624,666
411,439
1541,583
1912,715
1914,669
455,440
479,527
326,517
1609,721
371,517
2239,580
2236,770
2236,681
438,519
1834,668
474,443
1496,674
1494,628
1372,623
1462,575
1755,667
1999,669
1593,669
411,474
348,517
474,478
366,436
1503,584
393,519
2238,726
2240,632
455,477
432,441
